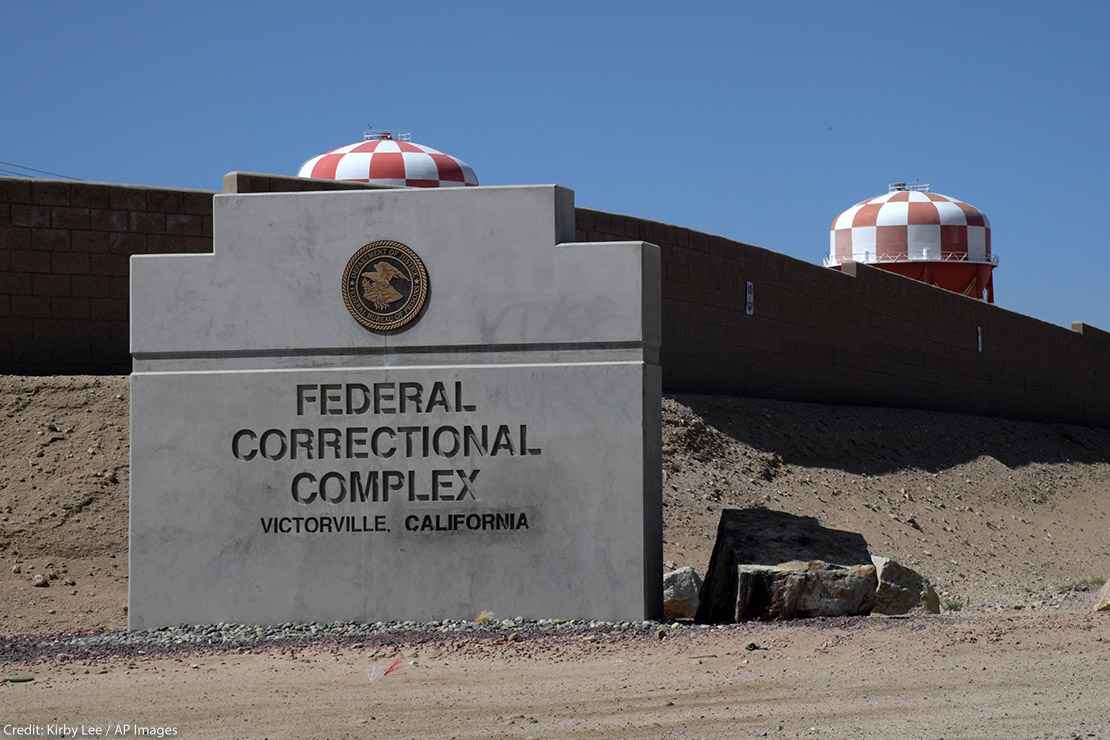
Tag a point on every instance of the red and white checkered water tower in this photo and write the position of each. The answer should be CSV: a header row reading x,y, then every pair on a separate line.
x,y
922,235
382,158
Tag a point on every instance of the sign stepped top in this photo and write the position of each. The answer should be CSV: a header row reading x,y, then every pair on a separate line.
x,y
503,274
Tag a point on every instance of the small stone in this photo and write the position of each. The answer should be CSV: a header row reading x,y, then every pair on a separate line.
x,y
680,593
19,678
39,581
661,633
1102,600
902,590
16,569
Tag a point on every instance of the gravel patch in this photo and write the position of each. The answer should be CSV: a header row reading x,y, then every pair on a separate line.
x,y
250,638
534,635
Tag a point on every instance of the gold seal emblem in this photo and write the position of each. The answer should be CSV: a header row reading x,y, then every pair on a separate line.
x,y
385,286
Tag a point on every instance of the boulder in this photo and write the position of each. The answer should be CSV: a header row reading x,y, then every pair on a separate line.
x,y
766,537
902,590
1102,601
680,593
803,589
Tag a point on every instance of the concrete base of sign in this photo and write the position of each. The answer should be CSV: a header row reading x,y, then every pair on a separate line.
x,y
332,474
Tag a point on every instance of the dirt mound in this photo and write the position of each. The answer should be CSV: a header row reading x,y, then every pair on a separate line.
x,y
993,511
63,474
63,501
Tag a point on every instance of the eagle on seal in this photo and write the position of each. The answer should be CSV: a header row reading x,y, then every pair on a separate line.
x,y
377,285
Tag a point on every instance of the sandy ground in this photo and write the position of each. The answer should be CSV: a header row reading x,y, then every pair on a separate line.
x,y
1010,676
996,512
1009,519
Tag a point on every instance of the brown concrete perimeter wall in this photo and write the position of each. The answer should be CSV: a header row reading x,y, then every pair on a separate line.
x,y
64,259
261,182
64,253
866,336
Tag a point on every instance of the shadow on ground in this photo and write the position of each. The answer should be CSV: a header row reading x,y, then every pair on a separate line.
x,y
872,440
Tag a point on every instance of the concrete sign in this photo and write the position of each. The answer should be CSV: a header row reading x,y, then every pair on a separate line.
x,y
376,405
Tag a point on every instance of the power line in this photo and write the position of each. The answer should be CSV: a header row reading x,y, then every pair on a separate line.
x,y
32,169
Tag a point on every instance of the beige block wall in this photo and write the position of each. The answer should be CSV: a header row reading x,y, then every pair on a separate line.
x,y
863,336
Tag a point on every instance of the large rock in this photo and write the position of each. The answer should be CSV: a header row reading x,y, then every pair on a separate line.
x,y
1102,601
766,537
902,590
680,593
801,590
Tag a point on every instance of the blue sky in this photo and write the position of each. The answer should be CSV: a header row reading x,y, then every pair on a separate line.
x,y
759,122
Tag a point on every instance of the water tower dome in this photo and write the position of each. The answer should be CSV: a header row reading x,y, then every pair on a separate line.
x,y
924,235
384,159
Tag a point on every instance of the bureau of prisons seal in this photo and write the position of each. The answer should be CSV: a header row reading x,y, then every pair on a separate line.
x,y
385,286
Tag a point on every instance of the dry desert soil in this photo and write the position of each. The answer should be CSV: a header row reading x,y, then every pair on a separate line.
x,y
1008,518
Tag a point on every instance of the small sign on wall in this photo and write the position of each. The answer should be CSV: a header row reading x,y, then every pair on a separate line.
x,y
749,299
